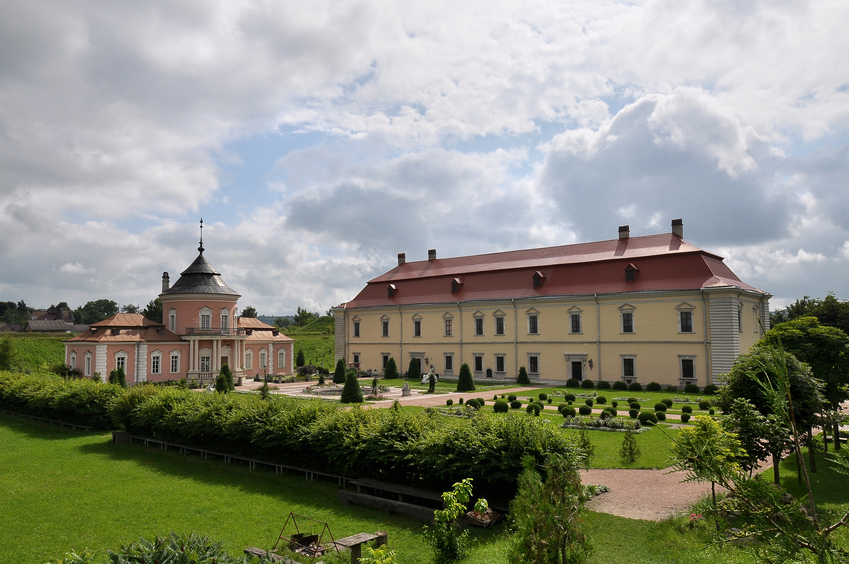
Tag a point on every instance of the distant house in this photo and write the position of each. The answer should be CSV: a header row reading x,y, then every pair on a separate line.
x,y
632,309
198,334
10,327
52,326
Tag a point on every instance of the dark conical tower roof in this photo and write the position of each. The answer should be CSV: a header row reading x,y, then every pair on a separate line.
x,y
200,278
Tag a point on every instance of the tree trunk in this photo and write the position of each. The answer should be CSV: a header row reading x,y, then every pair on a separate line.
x,y
776,459
836,435
812,450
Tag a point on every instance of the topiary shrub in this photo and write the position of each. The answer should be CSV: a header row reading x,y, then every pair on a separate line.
x,y
685,417
495,397
568,411
589,402
572,383
652,387
449,402
691,389
635,387
511,397
671,388
588,384
632,399
661,415
620,385
543,396
614,403
549,400
465,383
686,409
534,408
569,397
667,401
660,406
608,412
704,404
339,373
602,385
515,404
475,403
647,418
633,413
522,377
711,411
585,410
391,370
460,401
710,389
601,400
635,405
351,393
501,406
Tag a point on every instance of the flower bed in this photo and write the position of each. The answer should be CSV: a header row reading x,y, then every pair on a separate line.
x,y
599,424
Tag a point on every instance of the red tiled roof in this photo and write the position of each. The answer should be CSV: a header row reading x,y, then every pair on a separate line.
x,y
125,320
663,262
254,323
127,327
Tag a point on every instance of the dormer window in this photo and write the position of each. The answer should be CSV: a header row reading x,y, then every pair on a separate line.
x,y
539,277
631,273
456,284
392,290
116,331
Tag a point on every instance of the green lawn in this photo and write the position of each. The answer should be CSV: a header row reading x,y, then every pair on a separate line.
x,y
36,351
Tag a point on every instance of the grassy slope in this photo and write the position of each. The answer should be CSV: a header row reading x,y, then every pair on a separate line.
x,y
65,490
316,340
37,351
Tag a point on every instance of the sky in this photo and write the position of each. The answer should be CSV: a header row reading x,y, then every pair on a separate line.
x,y
317,140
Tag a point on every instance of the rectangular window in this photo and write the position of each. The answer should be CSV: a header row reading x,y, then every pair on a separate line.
x,y
533,324
263,363
499,363
417,328
356,328
478,363
739,320
499,325
225,322
385,361
281,358
385,328
575,318
627,322
205,364
449,327
479,326
356,360
686,321
172,322
175,363
449,362
688,369
628,370
88,365
205,321
533,364
73,361
155,364
249,359
121,362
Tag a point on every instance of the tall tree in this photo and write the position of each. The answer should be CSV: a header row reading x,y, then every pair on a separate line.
x,y
351,393
129,308
465,383
304,317
153,310
339,373
95,311
249,311
8,354
391,370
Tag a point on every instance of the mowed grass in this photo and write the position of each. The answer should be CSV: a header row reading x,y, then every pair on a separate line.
x,y
37,351
65,491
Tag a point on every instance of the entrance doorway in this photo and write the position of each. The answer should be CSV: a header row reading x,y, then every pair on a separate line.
x,y
577,370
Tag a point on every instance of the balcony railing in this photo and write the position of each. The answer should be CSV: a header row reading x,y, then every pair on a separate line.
x,y
214,331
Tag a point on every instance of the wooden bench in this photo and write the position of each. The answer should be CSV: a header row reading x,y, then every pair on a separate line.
x,y
355,543
388,506
404,493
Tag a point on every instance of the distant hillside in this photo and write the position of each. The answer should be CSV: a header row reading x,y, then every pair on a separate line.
x,y
316,341
38,350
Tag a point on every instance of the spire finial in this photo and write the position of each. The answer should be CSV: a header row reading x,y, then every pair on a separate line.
x,y
200,248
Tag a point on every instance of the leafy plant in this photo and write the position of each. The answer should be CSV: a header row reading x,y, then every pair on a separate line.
x,y
224,381
448,541
630,451
175,549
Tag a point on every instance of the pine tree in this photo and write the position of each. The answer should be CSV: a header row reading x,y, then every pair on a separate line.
x,y
391,371
523,377
117,377
352,393
629,452
339,373
224,382
414,372
466,383
300,359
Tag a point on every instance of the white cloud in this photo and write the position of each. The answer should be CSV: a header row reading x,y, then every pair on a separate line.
x,y
75,268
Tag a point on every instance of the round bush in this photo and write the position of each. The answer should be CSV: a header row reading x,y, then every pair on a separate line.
x,y
661,415
633,413
691,389
685,417
635,387
710,389
610,411
495,397
549,400
476,403
711,411
601,399
511,397
652,387
585,410
602,385
614,403
569,397
515,404
569,402
660,406
620,385
632,400
667,401
671,388
704,404
460,401
588,384
568,411
543,396
589,402
501,406
647,418
534,408
449,402
561,407
686,409
572,383
635,405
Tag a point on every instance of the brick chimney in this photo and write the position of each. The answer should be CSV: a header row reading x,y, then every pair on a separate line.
x,y
678,227
624,232
431,254
402,258
166,281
